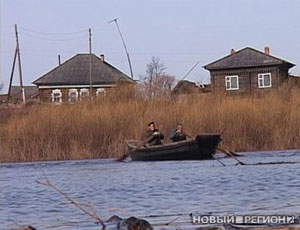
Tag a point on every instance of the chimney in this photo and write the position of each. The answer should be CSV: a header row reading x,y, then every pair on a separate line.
x,y
232,51
267,50
102,57
59,60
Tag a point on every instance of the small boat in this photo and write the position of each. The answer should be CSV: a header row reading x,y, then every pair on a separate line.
x,y
202,147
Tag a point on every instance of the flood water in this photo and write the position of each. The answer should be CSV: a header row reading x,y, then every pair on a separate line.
x,y
156,191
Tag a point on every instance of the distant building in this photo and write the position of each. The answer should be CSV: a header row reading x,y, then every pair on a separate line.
x,y
248,71
70,81
185,87
31,94
294,81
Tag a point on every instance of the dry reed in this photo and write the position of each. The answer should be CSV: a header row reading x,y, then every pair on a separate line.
x,y
98,129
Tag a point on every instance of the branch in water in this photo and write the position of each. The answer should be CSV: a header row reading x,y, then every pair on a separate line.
x,y
82,207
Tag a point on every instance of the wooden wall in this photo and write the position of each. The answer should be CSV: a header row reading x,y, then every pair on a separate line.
x,y
120,90
248,79
45,94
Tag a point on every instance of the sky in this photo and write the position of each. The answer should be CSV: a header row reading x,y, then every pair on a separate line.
x,y
179,32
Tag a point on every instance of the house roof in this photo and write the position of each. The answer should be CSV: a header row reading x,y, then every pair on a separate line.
x,y
184,86
30,91
247,57
188,87
75,71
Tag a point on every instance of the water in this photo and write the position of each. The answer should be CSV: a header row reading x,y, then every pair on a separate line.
x,y
166,190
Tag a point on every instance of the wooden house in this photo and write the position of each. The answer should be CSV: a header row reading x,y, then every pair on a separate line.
x,y
78,77
248,71
185,87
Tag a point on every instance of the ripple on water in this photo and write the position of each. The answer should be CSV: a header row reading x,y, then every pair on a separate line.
x,y
148,188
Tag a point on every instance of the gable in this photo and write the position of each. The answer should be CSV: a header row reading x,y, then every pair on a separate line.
x,y
247,57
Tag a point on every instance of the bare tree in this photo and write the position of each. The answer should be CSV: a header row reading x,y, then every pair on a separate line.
x,y
156,82
155,68
162,85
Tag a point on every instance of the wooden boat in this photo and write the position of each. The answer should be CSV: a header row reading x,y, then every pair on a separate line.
x,y
202,147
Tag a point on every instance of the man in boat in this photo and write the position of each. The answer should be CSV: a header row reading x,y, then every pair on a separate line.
x,y
178,134
153,136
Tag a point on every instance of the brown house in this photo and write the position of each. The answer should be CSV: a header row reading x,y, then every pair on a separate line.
x,y
185,87
248,71
70,81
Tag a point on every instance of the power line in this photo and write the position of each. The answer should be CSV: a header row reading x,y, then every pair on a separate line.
x,y
46,33
53,39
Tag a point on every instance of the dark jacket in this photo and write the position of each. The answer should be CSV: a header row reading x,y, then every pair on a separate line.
x,y
154,139
177,136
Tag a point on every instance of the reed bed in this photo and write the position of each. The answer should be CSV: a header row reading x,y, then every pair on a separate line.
x,y
98,128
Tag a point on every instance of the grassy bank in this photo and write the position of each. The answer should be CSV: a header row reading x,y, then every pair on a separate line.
x,y
98,129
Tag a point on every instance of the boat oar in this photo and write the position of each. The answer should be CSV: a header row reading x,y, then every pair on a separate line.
x,y
219,161
234,153
228,153
126,154
231,152
123,157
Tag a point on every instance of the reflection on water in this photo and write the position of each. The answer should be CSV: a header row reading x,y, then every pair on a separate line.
x,y
156,191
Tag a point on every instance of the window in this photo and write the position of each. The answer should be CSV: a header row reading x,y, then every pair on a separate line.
x,y
84,93
56,96
100,91
73,95
232,82
264,80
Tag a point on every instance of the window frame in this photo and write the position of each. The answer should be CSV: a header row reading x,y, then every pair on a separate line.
x,y
100,91
260,76
69,95
53,97
82,91
228,80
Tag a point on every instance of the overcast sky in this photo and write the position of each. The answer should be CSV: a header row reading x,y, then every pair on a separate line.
x,y
180,32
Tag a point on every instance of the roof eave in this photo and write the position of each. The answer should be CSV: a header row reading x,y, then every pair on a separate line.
x,y
248,66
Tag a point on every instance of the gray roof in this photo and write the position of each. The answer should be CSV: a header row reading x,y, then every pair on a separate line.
x,y
30,91
247,57
75,71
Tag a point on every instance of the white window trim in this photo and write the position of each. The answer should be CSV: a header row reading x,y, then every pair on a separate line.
x,y
228,79
261,76
84,91
56,91
100,91
72,91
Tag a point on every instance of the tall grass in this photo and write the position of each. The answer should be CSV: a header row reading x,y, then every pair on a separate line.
x,y
98,129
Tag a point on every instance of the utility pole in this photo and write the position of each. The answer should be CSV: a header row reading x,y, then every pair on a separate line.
x,y
90,69
11,75
17,55
127,54
19,62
